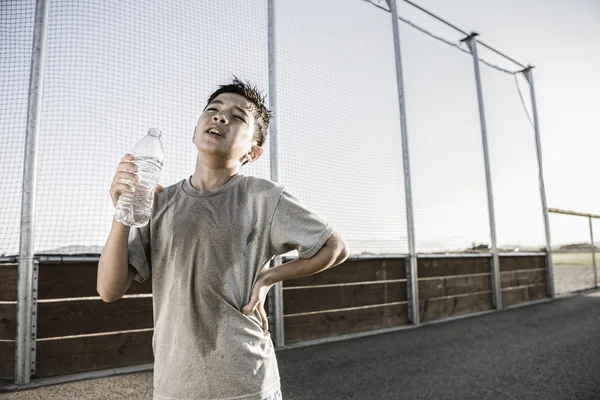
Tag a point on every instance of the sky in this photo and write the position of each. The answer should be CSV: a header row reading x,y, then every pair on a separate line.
x,y
116,69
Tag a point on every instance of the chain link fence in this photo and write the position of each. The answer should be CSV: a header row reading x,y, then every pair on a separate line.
x,y
114,69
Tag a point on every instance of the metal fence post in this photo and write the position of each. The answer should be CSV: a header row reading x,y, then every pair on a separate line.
x,y
412,288
538,147
472,42
593,252
25,301
278,288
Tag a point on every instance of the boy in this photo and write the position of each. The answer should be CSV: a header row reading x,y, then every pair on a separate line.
x,y
207,246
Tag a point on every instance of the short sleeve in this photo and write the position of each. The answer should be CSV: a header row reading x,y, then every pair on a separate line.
x,y
138,252
294,227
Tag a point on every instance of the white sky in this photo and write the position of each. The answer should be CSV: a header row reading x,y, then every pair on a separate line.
x,y
115,70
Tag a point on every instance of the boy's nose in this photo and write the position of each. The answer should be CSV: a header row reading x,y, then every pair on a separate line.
x,y
220,119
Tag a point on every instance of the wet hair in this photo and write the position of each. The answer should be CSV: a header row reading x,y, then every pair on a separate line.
x,y
262,115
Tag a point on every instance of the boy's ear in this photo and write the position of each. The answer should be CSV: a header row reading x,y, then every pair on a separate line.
x,y
254,153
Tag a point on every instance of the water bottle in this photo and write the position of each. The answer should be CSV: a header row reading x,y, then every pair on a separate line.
x,y
134,209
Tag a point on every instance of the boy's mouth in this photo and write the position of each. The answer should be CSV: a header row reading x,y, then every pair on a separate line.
x,y
215,132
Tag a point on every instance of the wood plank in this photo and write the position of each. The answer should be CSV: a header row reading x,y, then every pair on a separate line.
x,y
327,298
81,317
8,321
432,309
89,353
522,278
9,277
451,286
513,263
360,270
58,281
7,360
512,296
446,266
315,326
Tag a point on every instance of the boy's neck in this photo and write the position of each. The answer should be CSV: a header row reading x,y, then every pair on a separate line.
x,y
208,178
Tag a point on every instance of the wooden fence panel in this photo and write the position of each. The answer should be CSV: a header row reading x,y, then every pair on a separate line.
x,y
8,321
523,294
9,276
78,317
58,281
522,278
89,353
335,297
320,325
432,267
453,285
361,270
7,359
444,307
515,263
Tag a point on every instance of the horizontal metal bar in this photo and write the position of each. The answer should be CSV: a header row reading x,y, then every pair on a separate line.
x,y
454,255
67,259
501,54
345,284
50,259
436,17
522,270
432,278
375,256
36,383
524,254
568,212
396,303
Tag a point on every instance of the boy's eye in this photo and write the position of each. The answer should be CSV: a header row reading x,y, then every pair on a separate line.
x,y
240,118
211,109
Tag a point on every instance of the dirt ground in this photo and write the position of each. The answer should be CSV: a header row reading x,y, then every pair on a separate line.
x,y
136,386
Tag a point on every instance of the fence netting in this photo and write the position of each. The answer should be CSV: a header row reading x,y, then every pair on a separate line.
x,y
115,69
339,126
16,36
572,257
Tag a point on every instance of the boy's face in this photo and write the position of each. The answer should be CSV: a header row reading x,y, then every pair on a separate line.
x,y
225,130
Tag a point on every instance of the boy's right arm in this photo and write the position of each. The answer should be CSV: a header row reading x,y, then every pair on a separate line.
x,y
114,273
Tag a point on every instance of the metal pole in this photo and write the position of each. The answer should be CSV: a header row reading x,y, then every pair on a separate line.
x,y
538,147
495,267
278,288
25,301
412,288
593,253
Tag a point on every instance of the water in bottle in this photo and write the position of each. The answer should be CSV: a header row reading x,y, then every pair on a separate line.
x,y
134,209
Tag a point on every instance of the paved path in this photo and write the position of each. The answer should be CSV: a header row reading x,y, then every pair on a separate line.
x,y
545,351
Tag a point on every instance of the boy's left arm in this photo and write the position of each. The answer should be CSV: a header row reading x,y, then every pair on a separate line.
x,y
333,252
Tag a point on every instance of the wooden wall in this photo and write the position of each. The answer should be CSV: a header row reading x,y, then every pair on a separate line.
x,y
77,332
360,295
453,286
523,279
8,310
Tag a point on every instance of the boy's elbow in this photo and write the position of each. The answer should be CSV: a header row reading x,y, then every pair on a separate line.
x,y
106,295
340,247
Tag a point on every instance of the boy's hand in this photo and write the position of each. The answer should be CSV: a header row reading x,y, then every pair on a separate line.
x,y
257,300
127,171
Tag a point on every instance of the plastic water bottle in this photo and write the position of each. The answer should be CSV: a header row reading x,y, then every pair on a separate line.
x,y
134,209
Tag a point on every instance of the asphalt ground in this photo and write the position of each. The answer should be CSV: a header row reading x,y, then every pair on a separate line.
x,y
549,350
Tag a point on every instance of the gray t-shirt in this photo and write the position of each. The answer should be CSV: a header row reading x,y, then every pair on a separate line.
x,y
204,251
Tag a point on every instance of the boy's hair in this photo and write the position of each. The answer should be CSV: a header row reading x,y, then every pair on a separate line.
x,y
262,115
